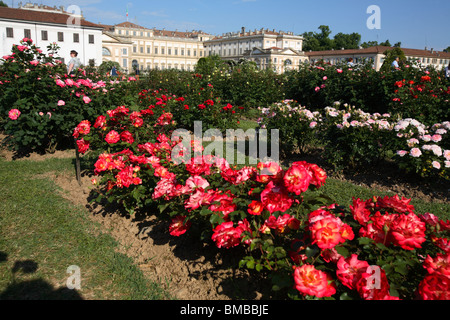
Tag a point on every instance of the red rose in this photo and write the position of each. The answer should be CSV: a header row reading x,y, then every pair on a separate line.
x,y
313,282
112,137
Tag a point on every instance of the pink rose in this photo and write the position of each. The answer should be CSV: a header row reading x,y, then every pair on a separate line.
x,y
61,103
14,114
86,99
34,62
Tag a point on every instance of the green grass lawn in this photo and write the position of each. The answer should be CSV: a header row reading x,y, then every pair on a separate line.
x,y
42,234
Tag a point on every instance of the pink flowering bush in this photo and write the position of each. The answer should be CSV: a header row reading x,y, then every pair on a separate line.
x,y
40,104
305,244
298,126
424,150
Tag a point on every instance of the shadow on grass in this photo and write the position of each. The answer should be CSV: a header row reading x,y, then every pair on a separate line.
x,y
36,289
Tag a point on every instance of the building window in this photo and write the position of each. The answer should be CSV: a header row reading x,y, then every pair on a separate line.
x,y
91,38
189,52
176,51
124,51
61,36
201,53
169,51
76,37
156,50
182,52
142,49
162,50
195,53
125,63
27,33
134,49
148,50
106,52
9,33
44,35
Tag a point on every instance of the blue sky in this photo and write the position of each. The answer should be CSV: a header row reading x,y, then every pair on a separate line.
x,y
416,23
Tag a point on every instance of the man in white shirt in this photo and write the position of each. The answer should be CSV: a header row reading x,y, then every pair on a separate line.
x,y
395,63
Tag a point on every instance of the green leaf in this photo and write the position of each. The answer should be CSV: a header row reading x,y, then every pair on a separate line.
x,y
311,251
163,207
345,296
342,251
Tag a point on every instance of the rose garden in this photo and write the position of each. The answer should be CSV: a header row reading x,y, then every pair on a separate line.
x,y
274,213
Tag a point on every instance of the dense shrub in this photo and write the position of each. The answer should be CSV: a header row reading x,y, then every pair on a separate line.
x,y
354,139
40,104
411,92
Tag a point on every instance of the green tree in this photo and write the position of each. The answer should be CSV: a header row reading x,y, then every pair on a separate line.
x,y
319,41
346,41
2,4
375,43
310,42
106,67
207,65
390,57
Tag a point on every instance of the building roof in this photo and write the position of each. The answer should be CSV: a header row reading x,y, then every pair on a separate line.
x,y
130,25
40,16
260,32
161,33
380,50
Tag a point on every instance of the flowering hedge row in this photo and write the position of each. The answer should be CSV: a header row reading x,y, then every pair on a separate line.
x,y
309,246
354,138
412,91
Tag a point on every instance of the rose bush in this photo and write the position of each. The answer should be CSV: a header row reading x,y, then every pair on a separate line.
x,y
305,243
49,102
413,91
353,139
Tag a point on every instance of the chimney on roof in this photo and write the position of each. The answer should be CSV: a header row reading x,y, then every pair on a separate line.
x,y
243,30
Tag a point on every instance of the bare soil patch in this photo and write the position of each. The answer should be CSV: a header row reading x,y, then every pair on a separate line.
x,y
188,268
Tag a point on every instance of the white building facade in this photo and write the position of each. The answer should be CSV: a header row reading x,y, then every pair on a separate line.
x,y
46,25
268,48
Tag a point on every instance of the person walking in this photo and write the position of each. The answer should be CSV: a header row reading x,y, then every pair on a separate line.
x,y
74,63
114,73
447,72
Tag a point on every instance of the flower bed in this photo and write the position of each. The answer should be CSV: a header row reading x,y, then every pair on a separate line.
x,y
40,104
353,138
305,243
